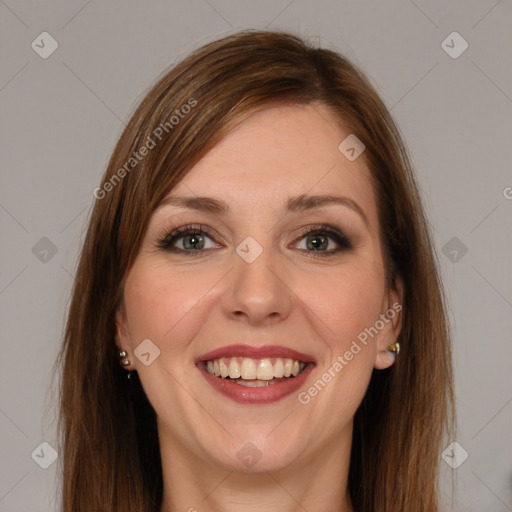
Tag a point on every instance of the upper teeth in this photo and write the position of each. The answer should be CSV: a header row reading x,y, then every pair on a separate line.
x,y
249,369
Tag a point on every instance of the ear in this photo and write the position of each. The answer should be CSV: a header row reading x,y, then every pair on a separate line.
x,y
121,335
391,316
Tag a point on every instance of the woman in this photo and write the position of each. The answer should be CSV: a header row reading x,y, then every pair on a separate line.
x,y
257,320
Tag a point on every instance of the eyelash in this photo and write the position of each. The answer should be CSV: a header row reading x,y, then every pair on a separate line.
x,y
166,242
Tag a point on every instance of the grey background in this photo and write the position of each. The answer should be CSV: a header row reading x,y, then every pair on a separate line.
x,y
61,117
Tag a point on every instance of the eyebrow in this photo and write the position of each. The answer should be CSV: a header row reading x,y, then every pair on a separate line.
x,y
294,204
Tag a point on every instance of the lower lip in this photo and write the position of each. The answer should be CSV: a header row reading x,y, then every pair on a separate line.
x,y
260,395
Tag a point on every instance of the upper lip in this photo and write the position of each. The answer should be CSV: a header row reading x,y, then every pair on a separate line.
x,y
261,352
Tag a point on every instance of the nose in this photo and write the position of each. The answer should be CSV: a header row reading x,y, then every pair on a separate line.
x,y
257,292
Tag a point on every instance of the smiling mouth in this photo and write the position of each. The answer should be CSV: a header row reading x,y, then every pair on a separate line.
x,y
255,372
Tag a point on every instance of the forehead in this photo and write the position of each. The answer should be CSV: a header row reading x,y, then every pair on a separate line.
x,y
279,152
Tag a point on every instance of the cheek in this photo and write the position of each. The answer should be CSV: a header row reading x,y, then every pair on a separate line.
x,y
342,309
157,300
344,303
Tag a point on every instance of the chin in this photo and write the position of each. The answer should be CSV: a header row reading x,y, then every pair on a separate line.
x,y
256,453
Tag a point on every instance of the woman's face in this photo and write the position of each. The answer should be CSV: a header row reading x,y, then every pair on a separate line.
x,y
278,268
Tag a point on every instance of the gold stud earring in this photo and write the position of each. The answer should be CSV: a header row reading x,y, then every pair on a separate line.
x,y
394,347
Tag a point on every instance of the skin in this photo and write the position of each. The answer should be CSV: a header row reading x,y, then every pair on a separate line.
x,y
188,306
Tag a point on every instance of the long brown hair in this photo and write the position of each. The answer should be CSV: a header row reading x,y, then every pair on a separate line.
x,y
108,435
